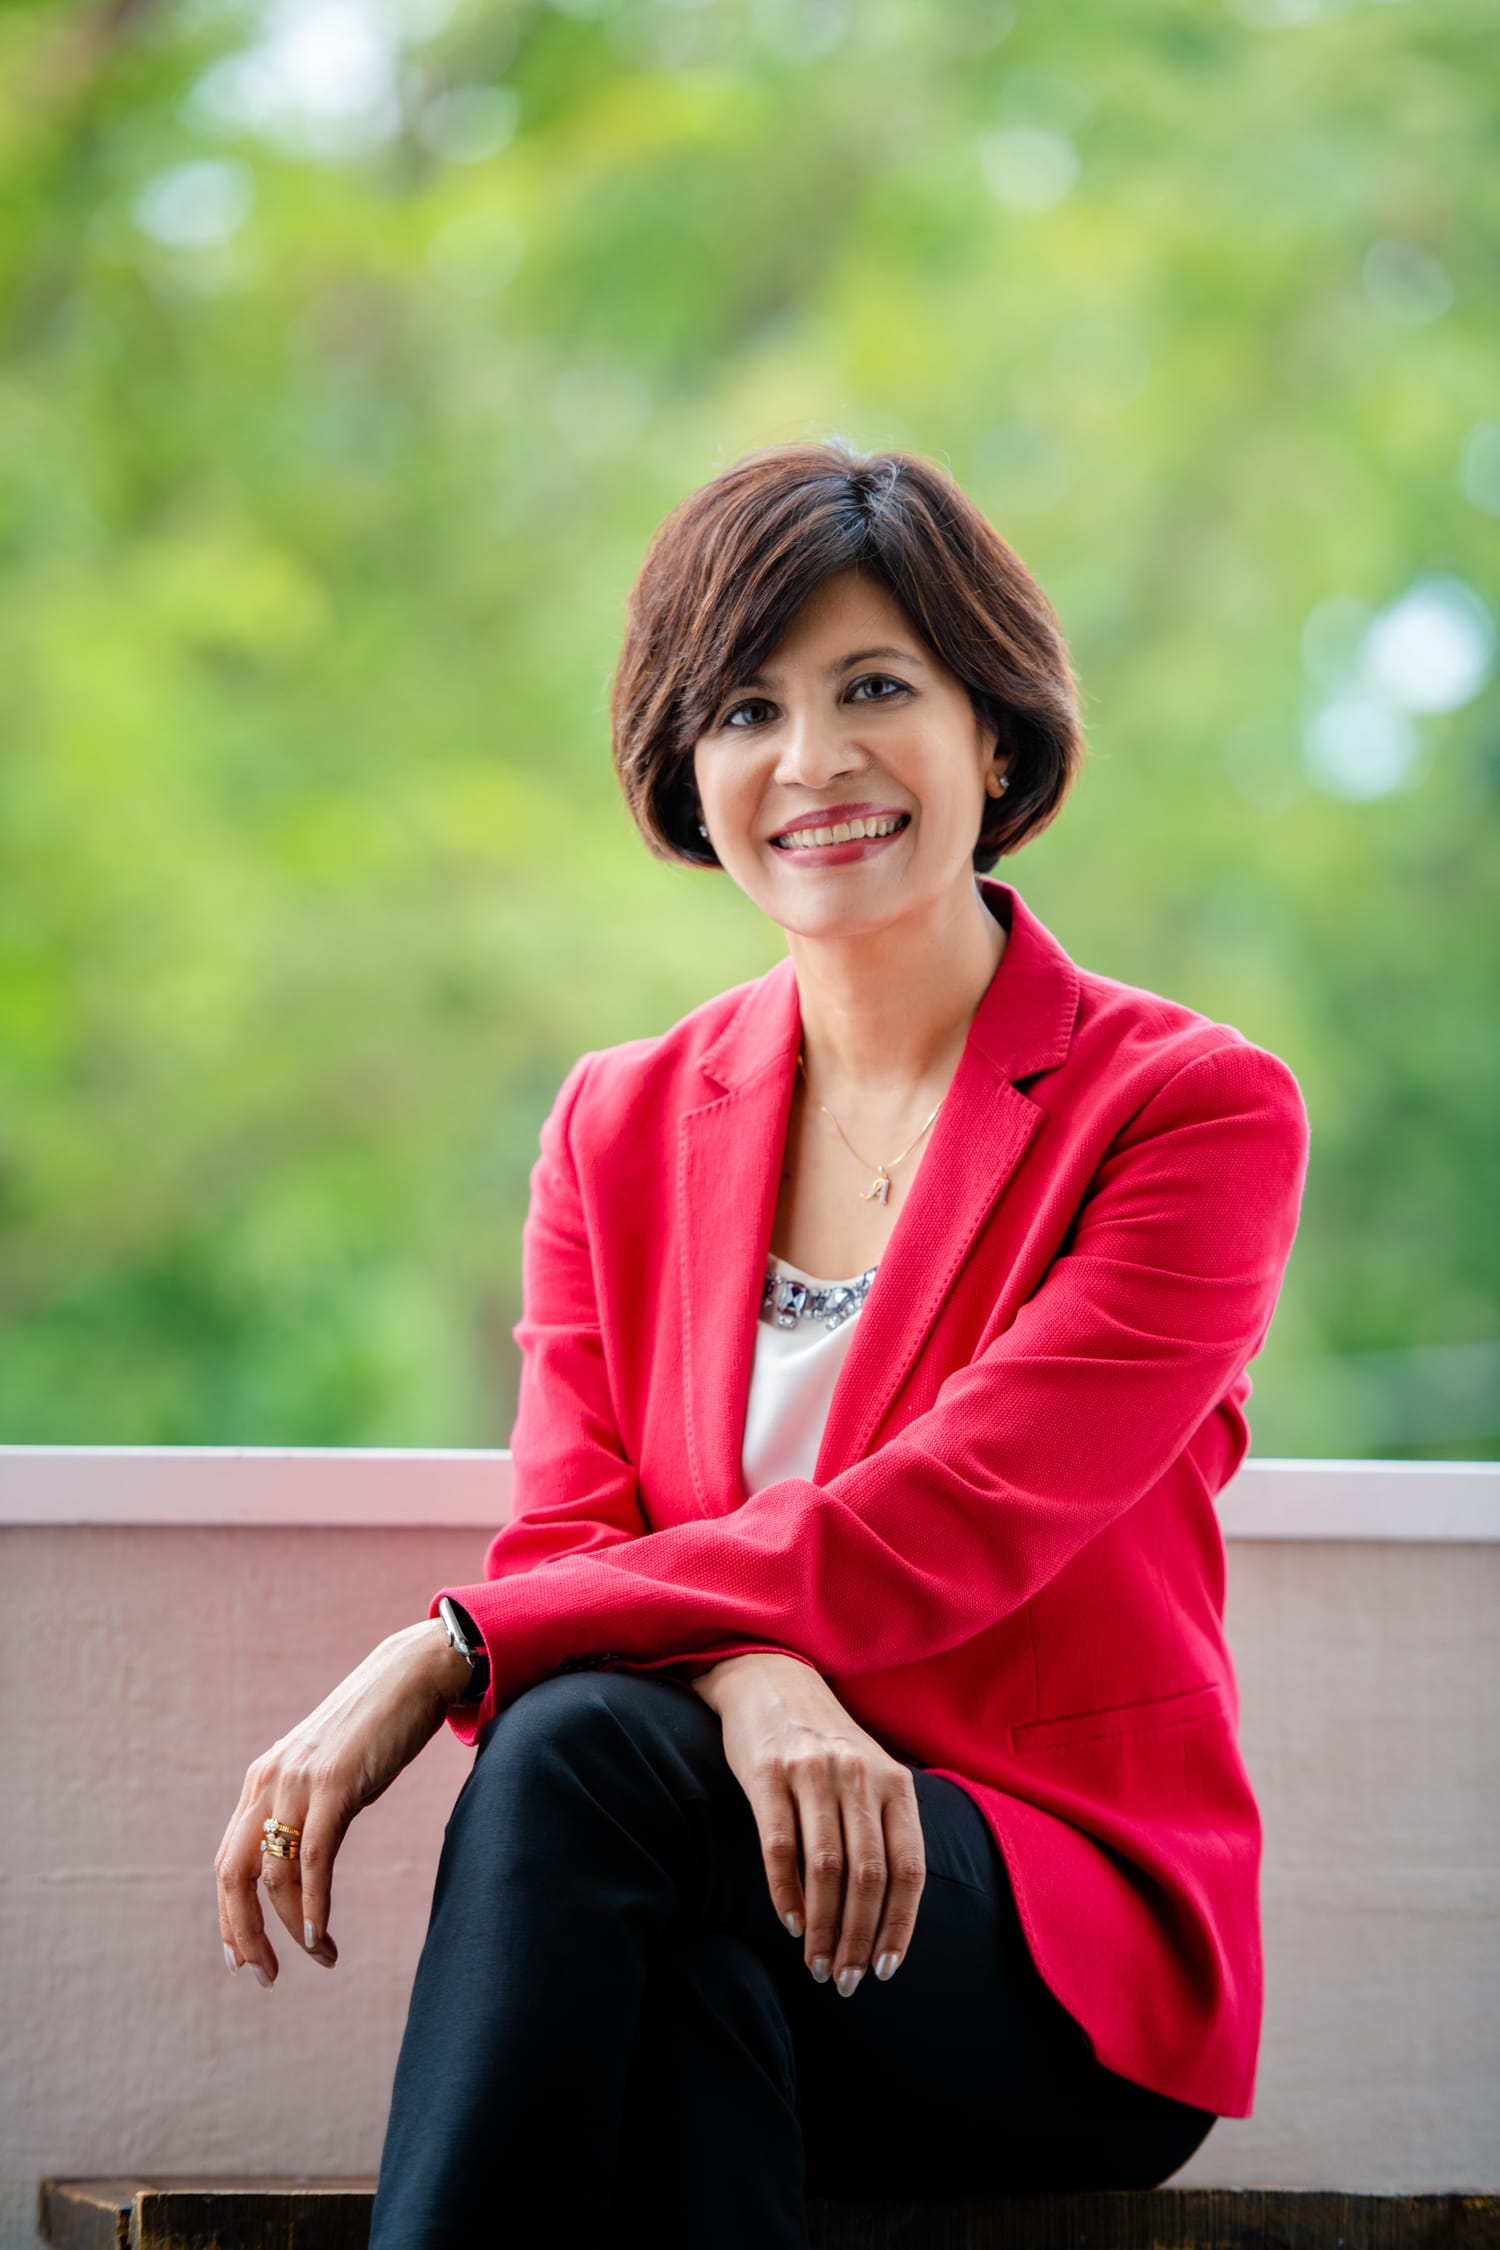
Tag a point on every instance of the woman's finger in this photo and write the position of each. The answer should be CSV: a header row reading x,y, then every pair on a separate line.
x,y
237,1872
281,1877
822,1861
324,1830
906,1876
233,1957
864,1872
775,1813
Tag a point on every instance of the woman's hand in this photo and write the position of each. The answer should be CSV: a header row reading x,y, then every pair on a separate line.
x,y
806,1766
316,1778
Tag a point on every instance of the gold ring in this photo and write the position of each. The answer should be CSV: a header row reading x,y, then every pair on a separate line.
x,y
281,1840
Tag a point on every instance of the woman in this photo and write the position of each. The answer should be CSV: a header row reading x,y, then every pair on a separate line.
x,y
884,1345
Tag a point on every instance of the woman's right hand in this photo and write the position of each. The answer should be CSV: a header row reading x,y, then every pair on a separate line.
x,y
339,1759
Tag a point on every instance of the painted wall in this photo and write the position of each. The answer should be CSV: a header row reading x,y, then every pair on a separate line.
x,y
147,1662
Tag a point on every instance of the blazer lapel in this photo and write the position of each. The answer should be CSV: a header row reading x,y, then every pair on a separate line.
x,y
729,1159
980,1136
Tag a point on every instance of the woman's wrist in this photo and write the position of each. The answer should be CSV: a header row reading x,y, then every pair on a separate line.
x,y
446,1668
751,1664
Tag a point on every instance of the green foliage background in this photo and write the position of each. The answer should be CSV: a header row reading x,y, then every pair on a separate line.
x,y
316,524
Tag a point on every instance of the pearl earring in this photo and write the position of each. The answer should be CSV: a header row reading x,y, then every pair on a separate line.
x,y
701,829
995,782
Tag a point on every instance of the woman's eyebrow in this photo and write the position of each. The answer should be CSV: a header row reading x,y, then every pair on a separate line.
x,y
841,664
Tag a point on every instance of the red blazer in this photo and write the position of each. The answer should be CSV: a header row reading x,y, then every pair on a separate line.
x,y
1008,1563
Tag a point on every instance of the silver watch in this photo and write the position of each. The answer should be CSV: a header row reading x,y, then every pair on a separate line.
x,y
465,1636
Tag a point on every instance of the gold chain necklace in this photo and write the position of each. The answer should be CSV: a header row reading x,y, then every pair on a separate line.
x,y
879,1191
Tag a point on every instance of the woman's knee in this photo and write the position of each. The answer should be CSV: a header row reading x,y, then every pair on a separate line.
x,y
597,1725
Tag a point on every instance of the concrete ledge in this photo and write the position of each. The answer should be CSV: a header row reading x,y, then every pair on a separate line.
x,y
335,2215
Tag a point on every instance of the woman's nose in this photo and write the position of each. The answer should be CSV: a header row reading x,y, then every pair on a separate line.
x,y
814,752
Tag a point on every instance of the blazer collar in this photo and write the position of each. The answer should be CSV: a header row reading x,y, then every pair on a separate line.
x,y
729,1152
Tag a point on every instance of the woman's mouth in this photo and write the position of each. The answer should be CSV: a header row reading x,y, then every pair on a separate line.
x,y
842,840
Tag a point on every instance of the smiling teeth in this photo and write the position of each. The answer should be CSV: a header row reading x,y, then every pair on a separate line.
x,y
843,832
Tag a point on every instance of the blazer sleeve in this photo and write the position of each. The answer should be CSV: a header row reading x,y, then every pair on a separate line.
x,y
573,1491
1163,1291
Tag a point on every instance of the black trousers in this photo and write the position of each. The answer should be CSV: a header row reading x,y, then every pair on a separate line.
x,y
612,2038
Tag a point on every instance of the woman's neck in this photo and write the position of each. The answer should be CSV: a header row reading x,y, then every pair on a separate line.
x,y
887,1012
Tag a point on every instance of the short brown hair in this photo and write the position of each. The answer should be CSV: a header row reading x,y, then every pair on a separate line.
x,y
733,563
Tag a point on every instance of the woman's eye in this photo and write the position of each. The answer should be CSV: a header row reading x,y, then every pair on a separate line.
x,y
741,707
866,679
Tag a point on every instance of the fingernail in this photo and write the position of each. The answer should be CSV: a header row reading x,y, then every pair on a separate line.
x,y
794,1922
309,1937
887,1965
231,1960
848,1979
260,1974
820,1967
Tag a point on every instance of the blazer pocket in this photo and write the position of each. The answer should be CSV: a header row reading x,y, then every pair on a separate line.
x,y
1120,1718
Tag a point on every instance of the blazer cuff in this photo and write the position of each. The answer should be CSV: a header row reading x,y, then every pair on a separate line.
x,y
468,1720
684,1667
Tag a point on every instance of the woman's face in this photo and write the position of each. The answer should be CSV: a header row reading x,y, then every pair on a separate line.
x,y
852,710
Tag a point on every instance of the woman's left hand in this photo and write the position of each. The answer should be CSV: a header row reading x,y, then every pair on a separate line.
x,y
807,1768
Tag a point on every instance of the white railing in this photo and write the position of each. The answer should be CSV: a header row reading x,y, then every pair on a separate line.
x,y
310,1486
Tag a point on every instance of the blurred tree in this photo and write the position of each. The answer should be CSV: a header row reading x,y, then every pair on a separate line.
x,y
351,354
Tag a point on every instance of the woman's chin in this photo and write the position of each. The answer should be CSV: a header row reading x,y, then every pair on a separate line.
x,y
844,912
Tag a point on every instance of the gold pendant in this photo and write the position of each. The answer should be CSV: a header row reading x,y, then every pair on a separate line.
x,y
880,1192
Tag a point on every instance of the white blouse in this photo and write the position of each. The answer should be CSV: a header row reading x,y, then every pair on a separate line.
x,y
801,1341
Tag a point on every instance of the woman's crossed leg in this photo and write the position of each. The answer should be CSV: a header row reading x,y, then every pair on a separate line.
x,y
610,2029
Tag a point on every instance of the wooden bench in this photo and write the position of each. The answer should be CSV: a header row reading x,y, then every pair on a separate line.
x,y
321,2214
